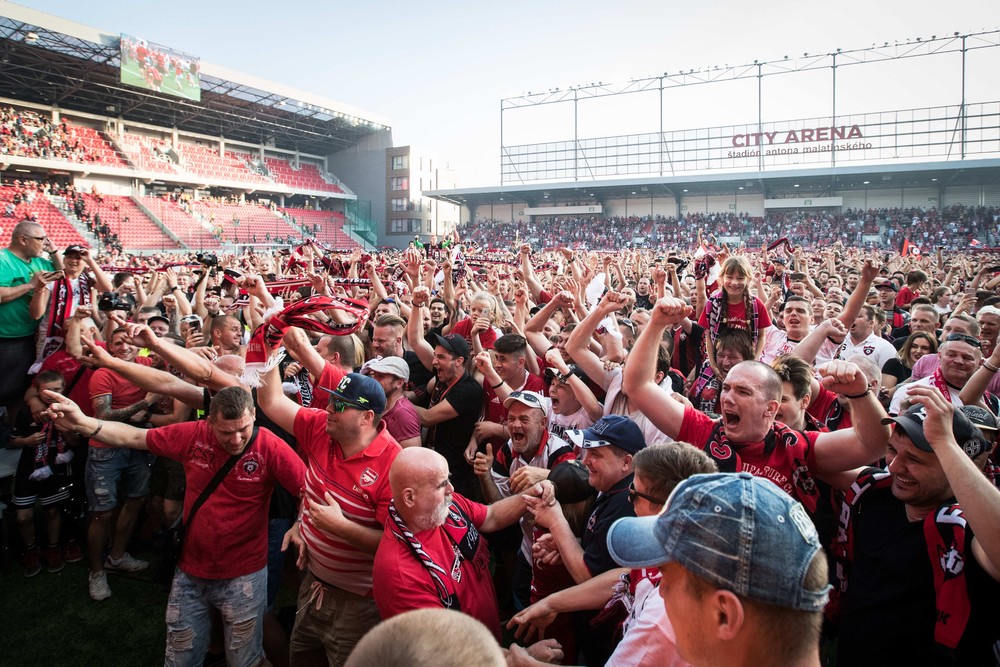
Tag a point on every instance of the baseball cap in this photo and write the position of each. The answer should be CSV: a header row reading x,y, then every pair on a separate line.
x,y
388,365
359,391
740,532
968,437
570,479
530,398
779,260
73,250
887,284
158,318
981,418
550,372
452,342
615,430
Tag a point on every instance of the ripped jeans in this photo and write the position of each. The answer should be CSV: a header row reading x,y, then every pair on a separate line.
x,y
240,600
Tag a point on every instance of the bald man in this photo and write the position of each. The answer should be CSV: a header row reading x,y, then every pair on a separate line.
x,y
432,554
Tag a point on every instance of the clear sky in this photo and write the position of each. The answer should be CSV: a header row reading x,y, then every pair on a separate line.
x,y
438,69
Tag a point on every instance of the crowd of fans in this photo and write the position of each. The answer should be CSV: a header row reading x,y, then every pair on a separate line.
x,y
31,134
462,424
953,227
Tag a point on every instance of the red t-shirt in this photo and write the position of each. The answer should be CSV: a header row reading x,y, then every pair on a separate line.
x,y
123,393
228,537
402,583
905,296
63,363
828,410
782,465
361,486
329,378
464,329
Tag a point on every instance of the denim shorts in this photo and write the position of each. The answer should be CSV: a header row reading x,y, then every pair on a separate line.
x,y
114,473
241,602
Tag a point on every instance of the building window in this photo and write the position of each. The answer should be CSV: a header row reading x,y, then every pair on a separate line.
x,y
399,204
399,183
400,162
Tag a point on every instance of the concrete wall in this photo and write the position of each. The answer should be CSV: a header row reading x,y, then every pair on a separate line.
x,y
362,169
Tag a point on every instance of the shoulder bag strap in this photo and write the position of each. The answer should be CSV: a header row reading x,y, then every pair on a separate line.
x,y
219,475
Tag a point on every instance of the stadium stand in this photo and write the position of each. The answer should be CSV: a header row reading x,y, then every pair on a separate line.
x,y
124,218
145,153
306,177
98,149
242,222
27,203
176,217
204,161
324,226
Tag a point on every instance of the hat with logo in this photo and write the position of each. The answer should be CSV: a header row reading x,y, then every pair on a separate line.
x,y
530,398
968,437
359,391
887,284
388,365
615,430
74,250
980,417
454,343
739,532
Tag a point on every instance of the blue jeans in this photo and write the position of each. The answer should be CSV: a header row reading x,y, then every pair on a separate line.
x,y
113,473
240,600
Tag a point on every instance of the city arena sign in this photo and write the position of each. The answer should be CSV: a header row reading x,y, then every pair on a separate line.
x,y
787,142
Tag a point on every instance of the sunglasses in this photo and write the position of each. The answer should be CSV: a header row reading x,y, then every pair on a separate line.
x,y
340,406
633,494
525,396
970,340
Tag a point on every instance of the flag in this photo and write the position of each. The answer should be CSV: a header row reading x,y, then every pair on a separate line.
x,y
906,248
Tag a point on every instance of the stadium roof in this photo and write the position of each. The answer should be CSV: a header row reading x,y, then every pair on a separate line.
x,y
52,61
773,185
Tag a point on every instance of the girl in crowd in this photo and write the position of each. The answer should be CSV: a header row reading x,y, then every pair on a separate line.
x,y
734,307
899,368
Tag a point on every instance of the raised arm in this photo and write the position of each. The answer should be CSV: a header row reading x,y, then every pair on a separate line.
x,y
67,416
146,377
415,329
639,382
862,444
578,345
272,400
859,295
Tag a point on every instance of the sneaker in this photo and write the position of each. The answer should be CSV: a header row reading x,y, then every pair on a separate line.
x,y
32,562
126,564
72,553
53,559
99,589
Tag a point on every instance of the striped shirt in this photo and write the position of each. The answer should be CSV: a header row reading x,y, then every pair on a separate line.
x,y
360,485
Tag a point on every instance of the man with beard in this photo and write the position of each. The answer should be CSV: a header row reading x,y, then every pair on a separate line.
x,y
348,452
919,555
432,553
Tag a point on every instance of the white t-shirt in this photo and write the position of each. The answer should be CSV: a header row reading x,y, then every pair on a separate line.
x,y
649,639
876,348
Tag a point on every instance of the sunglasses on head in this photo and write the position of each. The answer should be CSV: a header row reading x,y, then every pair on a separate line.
x,y
633,494
970,340
524,396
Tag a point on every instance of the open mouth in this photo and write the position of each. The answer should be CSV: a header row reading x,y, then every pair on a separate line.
x,y
730,418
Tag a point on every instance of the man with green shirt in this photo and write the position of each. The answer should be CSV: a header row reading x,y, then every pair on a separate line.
x,y
23,272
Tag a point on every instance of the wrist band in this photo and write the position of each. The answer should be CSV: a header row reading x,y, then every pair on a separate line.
x,y
990,367
497,385
97,430
867,391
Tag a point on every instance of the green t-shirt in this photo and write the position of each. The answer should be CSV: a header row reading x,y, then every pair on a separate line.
x,y
14,319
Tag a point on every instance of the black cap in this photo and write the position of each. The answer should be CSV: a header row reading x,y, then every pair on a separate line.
x,y
968,437
570,480
452,342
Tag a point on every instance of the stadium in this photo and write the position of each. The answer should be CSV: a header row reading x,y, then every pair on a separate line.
x,y
181,173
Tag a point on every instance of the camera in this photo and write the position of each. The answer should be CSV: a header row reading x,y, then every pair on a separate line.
x,y
114,301
207,259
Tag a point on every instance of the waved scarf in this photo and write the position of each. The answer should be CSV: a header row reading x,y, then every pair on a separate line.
x,y
804,489
938,379
465,539
717,308
60,310
944,534
706,377
267,337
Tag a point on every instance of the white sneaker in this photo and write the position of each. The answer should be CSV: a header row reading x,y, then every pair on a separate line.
x,y
126,564
99,589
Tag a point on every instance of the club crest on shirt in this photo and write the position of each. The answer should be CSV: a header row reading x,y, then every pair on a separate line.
x,y
868,350
250,466
368,477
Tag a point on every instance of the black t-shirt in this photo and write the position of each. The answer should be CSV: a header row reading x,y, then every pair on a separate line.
x,y
896,369
420,375
889,610
450,437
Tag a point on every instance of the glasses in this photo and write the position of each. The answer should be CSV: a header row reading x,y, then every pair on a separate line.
x,y
340,406
633,494
970,340
37,238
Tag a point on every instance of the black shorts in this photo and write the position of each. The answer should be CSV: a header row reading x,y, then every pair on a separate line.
x,y
167,479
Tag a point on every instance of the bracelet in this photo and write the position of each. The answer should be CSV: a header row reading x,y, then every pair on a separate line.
x,y
497,385
867,391
990,367
175,287
97,430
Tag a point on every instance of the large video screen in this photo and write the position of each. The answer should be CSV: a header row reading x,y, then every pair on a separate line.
x,y
160,69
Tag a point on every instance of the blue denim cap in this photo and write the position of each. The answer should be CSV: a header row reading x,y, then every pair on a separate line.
x,y
360,391
615,430
739,532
